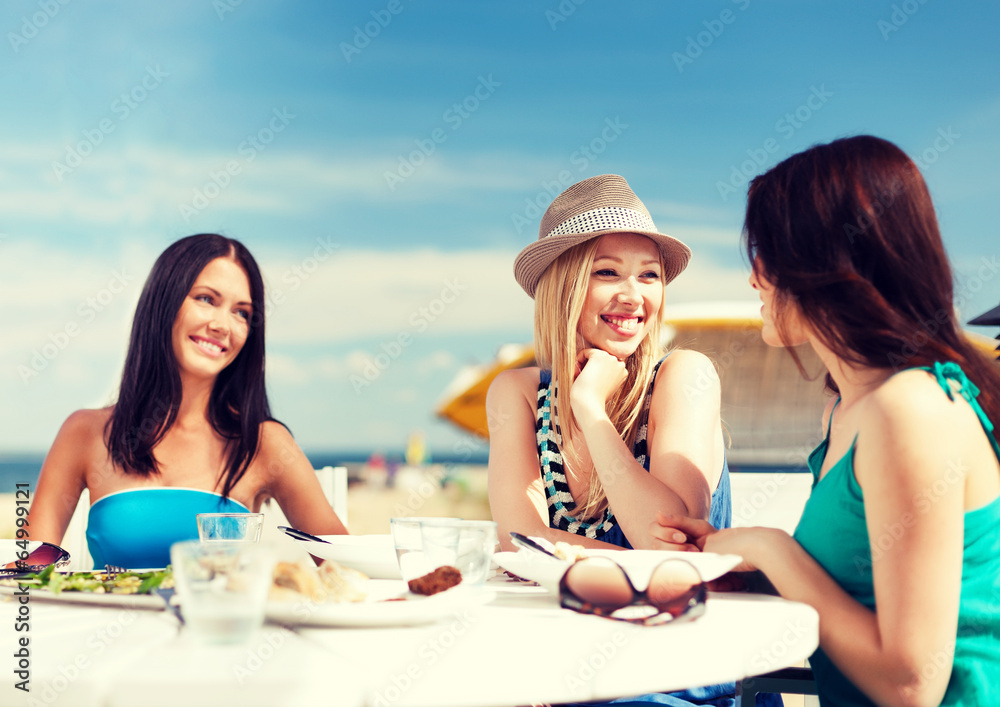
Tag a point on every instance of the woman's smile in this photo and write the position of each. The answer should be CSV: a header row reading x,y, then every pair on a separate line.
x,y
624,294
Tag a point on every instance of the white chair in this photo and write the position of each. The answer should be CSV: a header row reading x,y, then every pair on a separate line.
x,y
772,499
75,538
333,481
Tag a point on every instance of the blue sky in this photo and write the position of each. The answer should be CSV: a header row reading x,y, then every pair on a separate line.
x,y
385,161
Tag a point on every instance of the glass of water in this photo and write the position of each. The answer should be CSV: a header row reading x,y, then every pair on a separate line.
x,y
223,588
230,527
409,546
476,544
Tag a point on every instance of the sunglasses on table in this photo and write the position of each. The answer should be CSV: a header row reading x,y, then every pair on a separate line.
x,y
600,586
41,557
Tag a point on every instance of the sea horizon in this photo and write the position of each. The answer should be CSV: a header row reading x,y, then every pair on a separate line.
x,y
24,467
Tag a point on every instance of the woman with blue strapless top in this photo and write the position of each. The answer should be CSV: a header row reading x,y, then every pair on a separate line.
x,y
191,431
605,432
898,547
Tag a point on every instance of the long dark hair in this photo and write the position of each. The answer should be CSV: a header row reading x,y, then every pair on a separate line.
x,y
847,231
150,392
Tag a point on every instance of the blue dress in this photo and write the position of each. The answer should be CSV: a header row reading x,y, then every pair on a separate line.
x,y
607,529
136,527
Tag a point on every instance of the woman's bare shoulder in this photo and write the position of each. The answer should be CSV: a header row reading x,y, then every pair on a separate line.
x,y
687,372
523,380
85,425
912,396
275,440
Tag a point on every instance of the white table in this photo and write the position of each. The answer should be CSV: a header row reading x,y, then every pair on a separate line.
x,y
519,650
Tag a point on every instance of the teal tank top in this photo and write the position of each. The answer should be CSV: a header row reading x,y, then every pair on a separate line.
x,y
135,528
832,529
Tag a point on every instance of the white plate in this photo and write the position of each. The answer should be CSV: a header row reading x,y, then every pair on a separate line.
x,y
375,555
638,563
130,601
412,610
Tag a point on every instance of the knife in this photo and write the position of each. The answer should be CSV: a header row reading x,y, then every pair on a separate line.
x,y
301,534
529,544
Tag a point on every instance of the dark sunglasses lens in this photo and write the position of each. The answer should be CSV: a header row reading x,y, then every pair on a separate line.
x,y
42,556
46,554
673,585
599,582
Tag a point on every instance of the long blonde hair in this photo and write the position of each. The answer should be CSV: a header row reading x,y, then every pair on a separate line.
x,y
559,300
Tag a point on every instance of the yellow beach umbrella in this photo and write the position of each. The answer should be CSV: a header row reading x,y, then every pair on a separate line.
x,y
464,401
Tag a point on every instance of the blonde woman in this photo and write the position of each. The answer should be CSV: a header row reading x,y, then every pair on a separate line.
x,y
590,445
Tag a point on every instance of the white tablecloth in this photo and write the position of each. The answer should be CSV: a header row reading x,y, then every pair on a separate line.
x,y
519,650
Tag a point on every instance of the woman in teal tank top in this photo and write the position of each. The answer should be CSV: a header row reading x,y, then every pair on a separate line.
x,y
898,547
191,431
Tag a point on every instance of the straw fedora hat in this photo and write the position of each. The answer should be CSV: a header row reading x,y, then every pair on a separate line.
x,y
594,207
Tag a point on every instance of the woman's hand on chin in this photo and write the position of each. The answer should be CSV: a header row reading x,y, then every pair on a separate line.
x,y
599,375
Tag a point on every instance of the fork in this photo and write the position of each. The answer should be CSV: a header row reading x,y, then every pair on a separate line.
x,y
165,593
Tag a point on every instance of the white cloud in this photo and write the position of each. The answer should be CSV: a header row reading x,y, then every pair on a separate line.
x,y
440,360
393,295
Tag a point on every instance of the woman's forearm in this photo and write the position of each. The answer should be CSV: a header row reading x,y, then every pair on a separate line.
x,y
633,493
849,631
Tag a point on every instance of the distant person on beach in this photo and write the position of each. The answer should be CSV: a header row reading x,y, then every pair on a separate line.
x,y
191,431
605,432
898,548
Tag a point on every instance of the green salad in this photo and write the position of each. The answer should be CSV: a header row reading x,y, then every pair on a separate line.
x,y
98,582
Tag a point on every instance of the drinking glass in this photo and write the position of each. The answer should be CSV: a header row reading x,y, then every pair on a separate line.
x,y
223,588
476,544
440,538
230,527
409,546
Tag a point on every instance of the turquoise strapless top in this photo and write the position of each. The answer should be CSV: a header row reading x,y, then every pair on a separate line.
x,y
135,528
